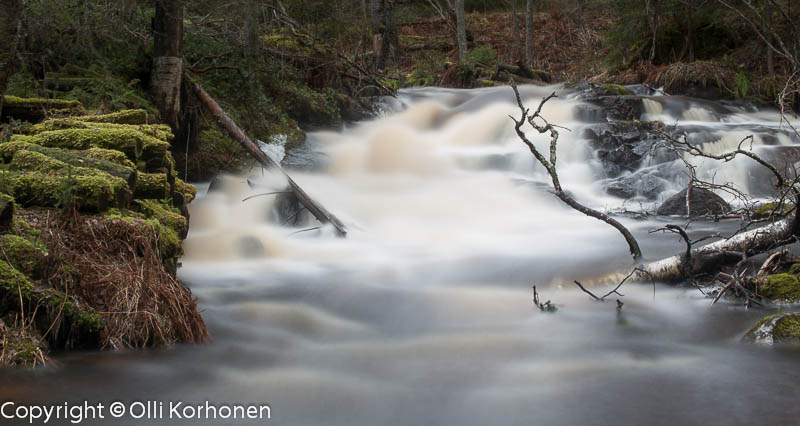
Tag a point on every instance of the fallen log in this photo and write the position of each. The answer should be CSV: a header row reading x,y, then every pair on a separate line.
x,y
711,257
319,212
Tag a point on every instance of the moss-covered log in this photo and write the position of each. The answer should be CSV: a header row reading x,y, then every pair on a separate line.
x,y
188,190
165,214
158,131
88,193
8,149
130,142
77,159
152,186
128,116
32,161
37,109
111,155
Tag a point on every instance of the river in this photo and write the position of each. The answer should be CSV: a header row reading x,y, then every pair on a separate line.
x,y
423,314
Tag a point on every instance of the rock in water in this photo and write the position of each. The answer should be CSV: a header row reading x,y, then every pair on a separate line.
x,y
702,202
779,328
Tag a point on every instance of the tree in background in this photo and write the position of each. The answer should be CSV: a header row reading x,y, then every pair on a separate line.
x,y
384,31
461,30
529,9
9,35
167,73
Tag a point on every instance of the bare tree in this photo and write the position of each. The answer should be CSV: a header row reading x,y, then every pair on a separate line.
x,y
166,76
9,36
461,30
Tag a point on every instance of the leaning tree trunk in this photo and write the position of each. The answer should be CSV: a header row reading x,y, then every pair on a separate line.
x,y
9,35
461,31
166,75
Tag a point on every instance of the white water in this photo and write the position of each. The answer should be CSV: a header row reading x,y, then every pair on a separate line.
x,y
423,314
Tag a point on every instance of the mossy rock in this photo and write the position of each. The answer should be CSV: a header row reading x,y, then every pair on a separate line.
x,y
617,90
765,210
778,328
165,214
131,142
152,186
128,116
781,288
32,161
23,254
794,269
91,193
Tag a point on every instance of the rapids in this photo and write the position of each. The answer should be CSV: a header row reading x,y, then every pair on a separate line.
x,y
423,314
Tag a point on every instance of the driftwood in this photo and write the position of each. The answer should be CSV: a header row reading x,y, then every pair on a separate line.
x,y
319,212
711,257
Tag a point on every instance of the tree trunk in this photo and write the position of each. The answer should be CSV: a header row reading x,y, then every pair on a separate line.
x,y
529,32
319,212
384,32
167,73
9,36
461,30
515,30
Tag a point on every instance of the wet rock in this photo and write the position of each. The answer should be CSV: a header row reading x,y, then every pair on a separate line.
x,y
621,146
779,328
702,202
589,113
644,183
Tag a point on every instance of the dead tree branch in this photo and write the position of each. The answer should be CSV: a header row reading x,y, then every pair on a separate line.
x,y
550,166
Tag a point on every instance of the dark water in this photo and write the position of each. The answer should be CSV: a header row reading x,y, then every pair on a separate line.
x,y
423,315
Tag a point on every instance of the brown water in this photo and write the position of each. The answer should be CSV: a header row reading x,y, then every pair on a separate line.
x,y
423,315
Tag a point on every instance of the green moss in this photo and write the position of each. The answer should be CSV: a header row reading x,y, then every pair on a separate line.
x,y
165,214
23,254
765,210
130,142
182,187
617,90
787,328
129,116
30,161
781,287
22,351
91,193
16,102
795,269
152,185
110,155
158,131
13,286
8,149
76,159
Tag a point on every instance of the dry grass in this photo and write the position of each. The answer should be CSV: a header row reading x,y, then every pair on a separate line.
x,y
114,265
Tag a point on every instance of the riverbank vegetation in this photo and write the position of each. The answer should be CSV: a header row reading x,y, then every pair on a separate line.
x,y
102,127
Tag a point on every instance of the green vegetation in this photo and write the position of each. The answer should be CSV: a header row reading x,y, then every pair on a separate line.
x,y
781,287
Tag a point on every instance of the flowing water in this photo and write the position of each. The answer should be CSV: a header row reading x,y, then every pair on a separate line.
x,y
423,314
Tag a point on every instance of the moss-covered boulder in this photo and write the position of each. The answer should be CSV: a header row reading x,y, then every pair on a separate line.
x,y
24,254
780,288
152,186
80,160
8,149
765,210
778,328
88,193
616,90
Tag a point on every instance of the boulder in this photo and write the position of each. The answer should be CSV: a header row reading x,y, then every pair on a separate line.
x,y
702,202
644,183
778,328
